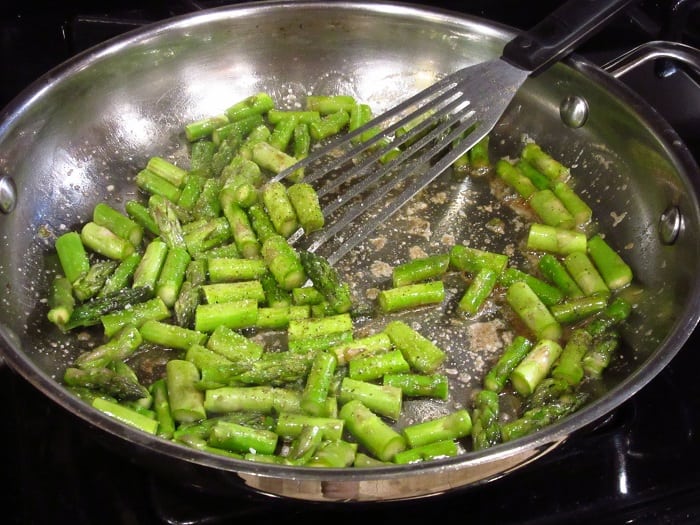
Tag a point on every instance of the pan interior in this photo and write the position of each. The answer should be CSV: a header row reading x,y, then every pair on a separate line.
x,y
84,131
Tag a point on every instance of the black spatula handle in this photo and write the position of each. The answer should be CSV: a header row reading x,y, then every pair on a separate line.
x,y
560,32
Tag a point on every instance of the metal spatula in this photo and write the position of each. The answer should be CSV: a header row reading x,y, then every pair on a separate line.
x,y
442,122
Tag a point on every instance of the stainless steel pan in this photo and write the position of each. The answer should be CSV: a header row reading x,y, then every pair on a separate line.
x,y
80,133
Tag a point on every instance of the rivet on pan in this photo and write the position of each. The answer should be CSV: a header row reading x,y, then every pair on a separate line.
x,y
573,111
670,224
8,194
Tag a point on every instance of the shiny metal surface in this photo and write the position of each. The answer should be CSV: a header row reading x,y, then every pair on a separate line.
x,y
80,134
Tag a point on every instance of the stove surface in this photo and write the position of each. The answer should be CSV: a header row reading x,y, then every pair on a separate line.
x,y
639,466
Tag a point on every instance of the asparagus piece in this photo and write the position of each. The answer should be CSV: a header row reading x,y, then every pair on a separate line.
x,y
126,415
366,346
202,128
540,417
422,354
532,311
318,382
61,301
371,431
169,225
191,190
155,185
329,125
420,269
171,336
479,154
478,290
368,368
578,309
107,381
439,449
411,296
569,367
471,260
275,295
581,212
539,179
186,304
208,238
304,329
600,354
256,104
243,233
535,366
549,295
186,400
306,295
305,445
279,208
514,178
89,284
284,262
215,370
584,272
486,431
72,255
161,406
542,237
118,348
617,311
419,385
149,268
201,155
258,399
226,269
277,369
139,213
314,344
535,155
334,454
551,210
122,276
91,312
101,240
305,202
328,104
384,400
235,315
327,281
261,222
455,425
614,270
290,425
514,353
242,439
121,225
172,275
208,205
138,314
235,291
557,273
167,170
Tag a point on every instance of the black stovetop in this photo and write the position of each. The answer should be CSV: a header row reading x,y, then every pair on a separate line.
x,y
639,466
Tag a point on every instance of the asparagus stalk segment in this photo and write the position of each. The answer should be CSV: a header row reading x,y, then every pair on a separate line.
x,y
533,312
420,352
456,425
380,439
327,280
72,255
615,271
535,366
